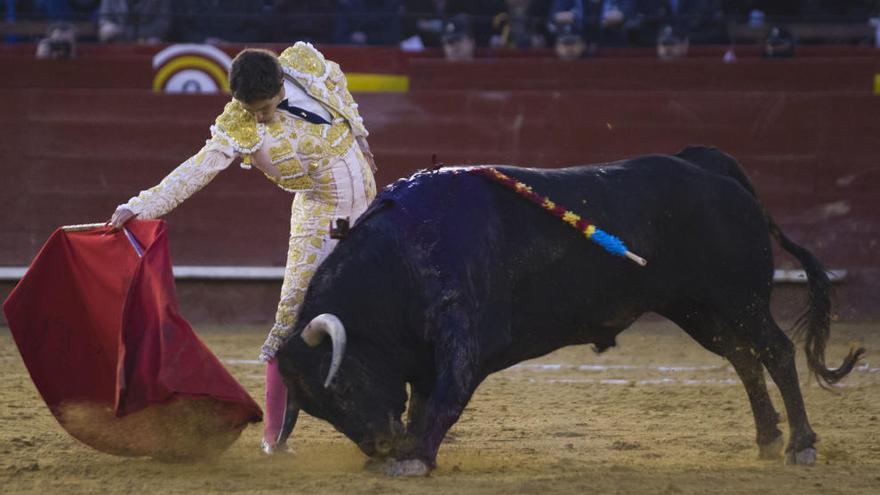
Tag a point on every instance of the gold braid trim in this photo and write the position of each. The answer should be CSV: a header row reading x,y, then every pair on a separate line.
x,y
240,127
323,80
304,62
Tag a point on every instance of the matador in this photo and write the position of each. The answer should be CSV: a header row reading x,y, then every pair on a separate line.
x,y
309,139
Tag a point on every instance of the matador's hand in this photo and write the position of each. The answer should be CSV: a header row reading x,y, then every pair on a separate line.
x,y
120,217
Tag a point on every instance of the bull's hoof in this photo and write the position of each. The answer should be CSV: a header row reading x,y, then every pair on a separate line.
x,y
804,457
410,467
771,450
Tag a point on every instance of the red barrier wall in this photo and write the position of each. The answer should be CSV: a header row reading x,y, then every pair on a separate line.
x,y
644,74
130,66
815,69
71,155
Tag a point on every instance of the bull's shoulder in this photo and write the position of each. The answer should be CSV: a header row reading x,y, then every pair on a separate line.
x,y
597,174
429,193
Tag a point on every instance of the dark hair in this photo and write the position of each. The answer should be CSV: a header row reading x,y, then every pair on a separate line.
x,y
255,75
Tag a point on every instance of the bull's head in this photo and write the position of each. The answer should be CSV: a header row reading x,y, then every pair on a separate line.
x,y
360,397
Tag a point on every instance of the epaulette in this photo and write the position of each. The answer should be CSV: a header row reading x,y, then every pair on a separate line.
x,y
304,62
323,80
240,127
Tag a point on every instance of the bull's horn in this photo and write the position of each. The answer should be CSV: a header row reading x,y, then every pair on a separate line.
x,y
314,333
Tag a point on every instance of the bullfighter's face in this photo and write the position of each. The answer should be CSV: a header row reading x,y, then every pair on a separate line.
x,y
363,402
264,110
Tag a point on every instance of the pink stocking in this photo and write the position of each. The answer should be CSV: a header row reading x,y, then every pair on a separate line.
x,y
276,403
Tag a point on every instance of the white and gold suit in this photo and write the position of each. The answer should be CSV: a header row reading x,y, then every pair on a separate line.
x,y
323,164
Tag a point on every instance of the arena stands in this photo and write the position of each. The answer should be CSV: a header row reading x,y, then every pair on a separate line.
x,y
419,23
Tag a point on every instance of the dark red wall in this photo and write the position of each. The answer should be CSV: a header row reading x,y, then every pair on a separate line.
x,y
806,130
635,74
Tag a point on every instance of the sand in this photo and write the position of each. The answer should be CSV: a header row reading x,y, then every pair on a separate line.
x,y
657,414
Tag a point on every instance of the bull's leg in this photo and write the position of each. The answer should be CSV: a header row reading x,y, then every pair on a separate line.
x,y
777,353
441,410
454,384
717,335
415,425
750,371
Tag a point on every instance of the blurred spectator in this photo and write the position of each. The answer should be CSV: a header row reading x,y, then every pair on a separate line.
x,y
756,18
671,45
68,10
458,43
427,19
363,22
60,42
134,20
757,11
483,14
301,20
565,13
742,8
774,8
13,8
10,10
779,44
517,26
874,22
611,22
569,43
218,21
697,21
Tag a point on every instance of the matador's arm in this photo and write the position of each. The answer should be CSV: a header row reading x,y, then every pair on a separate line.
x,y
182,182
235,133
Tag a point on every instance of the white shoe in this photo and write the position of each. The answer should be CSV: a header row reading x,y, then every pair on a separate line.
x,y
271,448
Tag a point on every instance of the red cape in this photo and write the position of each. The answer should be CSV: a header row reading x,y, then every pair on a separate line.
x,y
99,331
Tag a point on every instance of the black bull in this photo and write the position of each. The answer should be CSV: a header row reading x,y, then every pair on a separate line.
x,y
449,277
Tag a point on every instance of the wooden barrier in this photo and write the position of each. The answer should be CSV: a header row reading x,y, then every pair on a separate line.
x,y
815,69
629,74
71,155
130,66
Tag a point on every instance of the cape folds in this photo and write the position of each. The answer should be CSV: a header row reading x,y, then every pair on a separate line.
x,y
99,332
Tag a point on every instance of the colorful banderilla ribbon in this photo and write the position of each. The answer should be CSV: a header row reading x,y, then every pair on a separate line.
x,y
608,242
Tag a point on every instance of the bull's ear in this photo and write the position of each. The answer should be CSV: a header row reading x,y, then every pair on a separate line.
x,y
313,335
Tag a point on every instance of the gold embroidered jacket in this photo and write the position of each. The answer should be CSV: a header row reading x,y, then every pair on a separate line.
x,y
294,146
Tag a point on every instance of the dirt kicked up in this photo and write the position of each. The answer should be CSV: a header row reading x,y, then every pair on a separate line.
x,y
657,414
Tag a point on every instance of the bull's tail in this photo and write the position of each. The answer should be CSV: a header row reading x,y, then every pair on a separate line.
x,y
814,325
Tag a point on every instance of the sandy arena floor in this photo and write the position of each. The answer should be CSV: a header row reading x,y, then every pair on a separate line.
x,y
658,414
